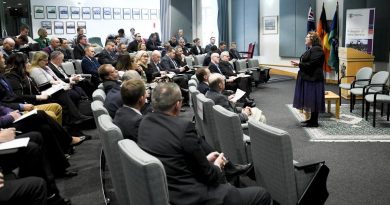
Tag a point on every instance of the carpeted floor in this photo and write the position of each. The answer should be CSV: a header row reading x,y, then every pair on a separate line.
x,y
359,171
349,128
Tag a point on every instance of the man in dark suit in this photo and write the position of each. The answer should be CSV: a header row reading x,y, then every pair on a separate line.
x,y
109,76
108,56
54,44
133,46
217,86
194,173
212,43
90,65
154,67
203,74
153,43
79,49
129,116
207,59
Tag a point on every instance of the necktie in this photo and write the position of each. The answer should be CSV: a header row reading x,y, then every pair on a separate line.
x,y
158,67
219,70
174,63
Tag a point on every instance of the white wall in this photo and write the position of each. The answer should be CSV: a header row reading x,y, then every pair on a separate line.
x,y
103,27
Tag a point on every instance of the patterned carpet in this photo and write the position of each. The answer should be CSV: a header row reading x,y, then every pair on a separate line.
x,y
349,128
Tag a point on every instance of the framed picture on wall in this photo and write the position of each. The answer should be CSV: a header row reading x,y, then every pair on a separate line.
x,y
136,14
75,12
116,13
63,12
97,13
106,13
58,27
51,12
86,12
83,25
70,27
47,25
145,14
153,14
39,12
126,14
270,24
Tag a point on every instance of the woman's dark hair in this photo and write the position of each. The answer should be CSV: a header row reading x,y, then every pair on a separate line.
x,y
124,62
315,39
17,63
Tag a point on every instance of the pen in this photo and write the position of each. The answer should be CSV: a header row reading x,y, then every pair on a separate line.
x,y
19,132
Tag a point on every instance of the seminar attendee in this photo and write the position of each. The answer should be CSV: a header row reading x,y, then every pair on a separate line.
x,y
54,45
133,46
203,74
108,56
154,67
208,46
109,77
194,174
42,41
90,65
79,48
196,49
8,47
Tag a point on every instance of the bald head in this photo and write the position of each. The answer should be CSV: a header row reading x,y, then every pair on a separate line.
x,y
55,42
216,81
156,56
8,44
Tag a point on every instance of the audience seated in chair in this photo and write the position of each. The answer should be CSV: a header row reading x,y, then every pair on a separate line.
x,y
109,77
190,164
90,65
108,56
79,48
196,49
203,74
208,46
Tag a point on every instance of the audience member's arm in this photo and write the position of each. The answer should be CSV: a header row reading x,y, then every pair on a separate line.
x,y
197,161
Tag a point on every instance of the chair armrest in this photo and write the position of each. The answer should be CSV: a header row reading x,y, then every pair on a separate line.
x,y
360,80
243,52
244,125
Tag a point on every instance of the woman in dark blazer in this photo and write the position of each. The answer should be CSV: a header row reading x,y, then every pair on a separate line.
x,y
309,90
196,49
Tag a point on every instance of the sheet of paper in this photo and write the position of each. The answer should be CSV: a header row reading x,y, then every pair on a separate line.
x,y
53,89
238,95
16,143
32,112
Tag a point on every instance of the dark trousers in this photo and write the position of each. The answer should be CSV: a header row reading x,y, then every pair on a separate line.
x,y
70,111
247,196
76,94
31,161
29,190
55,140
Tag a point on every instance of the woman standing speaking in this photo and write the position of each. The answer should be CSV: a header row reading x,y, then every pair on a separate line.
x,y
309,89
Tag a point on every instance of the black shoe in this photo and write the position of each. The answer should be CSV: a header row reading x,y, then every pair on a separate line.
x,y
306,121
310,124
82,119
82,139
67,174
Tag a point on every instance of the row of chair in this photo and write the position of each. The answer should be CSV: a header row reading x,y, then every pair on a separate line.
x,y
267,147
137,177
372,89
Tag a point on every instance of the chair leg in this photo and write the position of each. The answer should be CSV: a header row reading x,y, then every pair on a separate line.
x,y
388,111
367,110
351,102
381,109
340,94
363,107
374,114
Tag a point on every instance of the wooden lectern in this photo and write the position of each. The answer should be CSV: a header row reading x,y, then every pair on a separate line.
x,y
351,60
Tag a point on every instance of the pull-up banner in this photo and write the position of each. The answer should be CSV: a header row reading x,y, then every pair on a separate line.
x,y
359,33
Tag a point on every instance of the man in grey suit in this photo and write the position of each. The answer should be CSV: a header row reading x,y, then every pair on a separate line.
x,y
194,174
129,116
217,86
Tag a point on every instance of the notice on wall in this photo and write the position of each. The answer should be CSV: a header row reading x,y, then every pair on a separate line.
x,y
359,32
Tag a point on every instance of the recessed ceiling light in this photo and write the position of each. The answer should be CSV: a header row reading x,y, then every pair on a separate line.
x,y
16,9
19,4
4,2
8,7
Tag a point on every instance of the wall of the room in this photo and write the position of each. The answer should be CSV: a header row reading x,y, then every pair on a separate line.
x,y
101,28
181,11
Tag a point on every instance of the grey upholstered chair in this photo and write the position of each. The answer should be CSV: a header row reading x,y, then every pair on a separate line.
x,y
198,124
232,140
198,59
362,78
374,99
77,64
99,94
98,109
287,183
68,68
376,85
98,49
241,66
145,176
110,135
101,86
206,118
192,82
190,61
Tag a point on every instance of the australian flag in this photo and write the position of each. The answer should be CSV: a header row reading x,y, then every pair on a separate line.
x,y
311,23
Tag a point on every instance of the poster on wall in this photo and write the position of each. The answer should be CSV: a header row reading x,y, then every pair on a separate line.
x,y
51,12
83,25
70,27
126,14
96,13
39,12
145,14
136,14
63,12
58,27
75,12
153,14
106,13
359,32
47,26
270,25
86,13
116,13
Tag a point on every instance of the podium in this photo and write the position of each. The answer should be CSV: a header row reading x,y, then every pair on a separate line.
x,y
351,60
